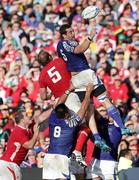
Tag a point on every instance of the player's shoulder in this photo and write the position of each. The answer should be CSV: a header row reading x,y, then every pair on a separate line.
x,y
57,59
17,131
60,42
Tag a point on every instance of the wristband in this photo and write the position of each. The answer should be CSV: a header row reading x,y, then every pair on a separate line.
x,y
67,92
90,39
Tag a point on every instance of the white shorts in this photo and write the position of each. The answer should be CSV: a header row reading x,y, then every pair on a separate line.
x,y
83,78
9,171
105,169
55,166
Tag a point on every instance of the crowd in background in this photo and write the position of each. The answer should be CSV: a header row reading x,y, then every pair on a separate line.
x,y
28,26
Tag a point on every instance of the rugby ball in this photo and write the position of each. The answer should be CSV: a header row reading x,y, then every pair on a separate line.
x,y
90,12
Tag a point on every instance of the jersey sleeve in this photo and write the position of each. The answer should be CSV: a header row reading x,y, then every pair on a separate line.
x,y
74,120
69,46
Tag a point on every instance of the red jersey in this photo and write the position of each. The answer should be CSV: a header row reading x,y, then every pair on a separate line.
x,y
118,92
55,76
15,151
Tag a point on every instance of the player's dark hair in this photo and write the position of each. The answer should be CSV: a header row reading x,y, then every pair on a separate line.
x,y
63,29
61,110
44,57
19,115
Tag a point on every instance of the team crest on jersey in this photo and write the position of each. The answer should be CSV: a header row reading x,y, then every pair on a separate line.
x,y
73,121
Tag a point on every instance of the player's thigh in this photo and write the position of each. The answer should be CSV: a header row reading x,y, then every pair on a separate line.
x,y
3,169
9,171
82,79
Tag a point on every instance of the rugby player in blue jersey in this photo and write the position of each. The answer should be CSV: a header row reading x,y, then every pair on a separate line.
x,y
104,164
63,127
73,54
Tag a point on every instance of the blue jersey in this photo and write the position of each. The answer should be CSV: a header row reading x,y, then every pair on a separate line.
x,y
112,136
62,134
75,62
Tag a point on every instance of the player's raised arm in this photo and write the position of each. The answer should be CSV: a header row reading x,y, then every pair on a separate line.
x,y
63,98
67,33
43,116
81,48
82,111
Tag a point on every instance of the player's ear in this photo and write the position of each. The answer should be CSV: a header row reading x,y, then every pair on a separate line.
x,y
50,57
64,35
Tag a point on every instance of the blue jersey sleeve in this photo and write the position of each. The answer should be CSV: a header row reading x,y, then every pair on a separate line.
x,y
75,62
69,47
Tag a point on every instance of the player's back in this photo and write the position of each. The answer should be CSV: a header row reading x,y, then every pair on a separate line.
x,y
62,136
55,76
75,62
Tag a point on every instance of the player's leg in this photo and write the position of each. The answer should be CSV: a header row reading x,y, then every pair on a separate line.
x,y
101,93
81,139
8,171
17,171
73,102
93,171
95,135
81,80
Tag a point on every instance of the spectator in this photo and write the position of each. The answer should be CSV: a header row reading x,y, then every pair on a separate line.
x,y
125,159
30,161
118,91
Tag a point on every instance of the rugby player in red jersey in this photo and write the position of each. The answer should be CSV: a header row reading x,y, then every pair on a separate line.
x,y
54,75
21,140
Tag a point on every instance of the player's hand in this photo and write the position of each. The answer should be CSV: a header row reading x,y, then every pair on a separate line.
x,y
89,88
93,31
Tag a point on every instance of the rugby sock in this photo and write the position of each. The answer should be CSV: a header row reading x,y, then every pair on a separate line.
x,y
114,113
81,139
97,137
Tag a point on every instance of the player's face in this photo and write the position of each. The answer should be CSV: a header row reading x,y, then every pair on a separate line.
x,y
27,119
70,34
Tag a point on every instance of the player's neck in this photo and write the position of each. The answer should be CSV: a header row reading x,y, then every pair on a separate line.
x,y
23,125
